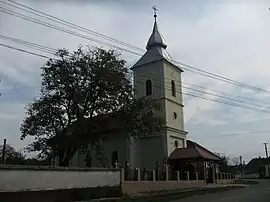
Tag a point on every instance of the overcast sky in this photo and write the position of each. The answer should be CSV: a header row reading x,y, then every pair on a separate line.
x,y
230,38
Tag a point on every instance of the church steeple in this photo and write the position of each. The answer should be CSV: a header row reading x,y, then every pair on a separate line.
x,y
155,39
156,48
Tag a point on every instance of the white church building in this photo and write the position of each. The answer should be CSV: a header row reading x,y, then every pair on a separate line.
x,y
158,76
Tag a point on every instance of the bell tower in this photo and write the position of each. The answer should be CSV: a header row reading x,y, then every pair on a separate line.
x,y
158,76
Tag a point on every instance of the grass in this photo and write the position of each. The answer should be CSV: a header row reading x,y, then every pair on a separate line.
x,y
166,196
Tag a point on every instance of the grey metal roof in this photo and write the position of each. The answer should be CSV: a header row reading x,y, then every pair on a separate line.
x,y
156,39
156,50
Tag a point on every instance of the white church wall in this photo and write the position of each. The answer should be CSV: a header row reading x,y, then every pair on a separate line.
x,y
113,142
151,150
132,153
152,71
172,145
173,104
172,73
172,121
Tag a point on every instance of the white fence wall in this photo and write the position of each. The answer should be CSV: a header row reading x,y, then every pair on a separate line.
x,y
26,178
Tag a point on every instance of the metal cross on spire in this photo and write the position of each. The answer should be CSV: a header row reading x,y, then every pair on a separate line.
x,y
155,12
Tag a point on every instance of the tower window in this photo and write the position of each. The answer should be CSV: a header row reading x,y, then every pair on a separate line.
x,y
174,115
176,144
173,88
148,85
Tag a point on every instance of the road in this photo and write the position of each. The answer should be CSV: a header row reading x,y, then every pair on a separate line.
x,y
255,193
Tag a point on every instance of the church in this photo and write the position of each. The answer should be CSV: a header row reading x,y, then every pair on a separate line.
x,y
157,75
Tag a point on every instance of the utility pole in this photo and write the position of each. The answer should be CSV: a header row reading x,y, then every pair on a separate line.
x,y
241,166
267,158
4,151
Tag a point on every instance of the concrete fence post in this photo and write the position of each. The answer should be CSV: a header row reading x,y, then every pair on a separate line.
x,y
187,174
167,174
138,174
178,176
122,174
196,176
154,175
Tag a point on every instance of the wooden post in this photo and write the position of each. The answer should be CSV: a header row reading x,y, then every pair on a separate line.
x,y
204,173
4,151
214,173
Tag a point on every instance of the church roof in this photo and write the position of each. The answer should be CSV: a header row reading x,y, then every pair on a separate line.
x,y
193,151
156,38
86,129
156,50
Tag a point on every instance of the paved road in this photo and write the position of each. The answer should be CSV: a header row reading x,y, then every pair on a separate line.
x,y
255,193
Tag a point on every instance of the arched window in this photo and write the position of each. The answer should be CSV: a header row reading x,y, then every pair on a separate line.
x,y
114,158
148,85
176,144
173,88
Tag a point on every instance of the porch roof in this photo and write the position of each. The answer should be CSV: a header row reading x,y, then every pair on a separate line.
x,y
193,151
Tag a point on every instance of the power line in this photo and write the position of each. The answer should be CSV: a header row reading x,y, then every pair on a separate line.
x,y
225,78
52,51
149,76
188,67
25,51
214,100
69,24
19,15
188,94
212,94
217,91
30,44
241,134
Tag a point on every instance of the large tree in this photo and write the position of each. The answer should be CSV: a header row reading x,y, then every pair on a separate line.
x,y
85,84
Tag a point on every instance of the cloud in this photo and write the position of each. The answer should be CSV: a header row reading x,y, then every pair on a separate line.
x,y
230,39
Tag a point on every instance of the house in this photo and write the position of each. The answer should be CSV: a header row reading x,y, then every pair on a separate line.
x,y
256,168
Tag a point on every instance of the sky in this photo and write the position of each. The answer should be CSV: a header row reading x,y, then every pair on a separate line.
x,y
229,38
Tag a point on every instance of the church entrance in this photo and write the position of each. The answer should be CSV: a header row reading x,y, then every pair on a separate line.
x,y
114,159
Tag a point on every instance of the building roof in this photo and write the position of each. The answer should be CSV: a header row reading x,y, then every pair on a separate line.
x,y
255,165
87,128
156,50
193,151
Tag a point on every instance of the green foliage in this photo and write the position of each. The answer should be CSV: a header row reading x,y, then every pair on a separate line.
x,y
85,84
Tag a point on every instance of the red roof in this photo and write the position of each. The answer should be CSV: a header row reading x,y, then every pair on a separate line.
x,y
193,151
